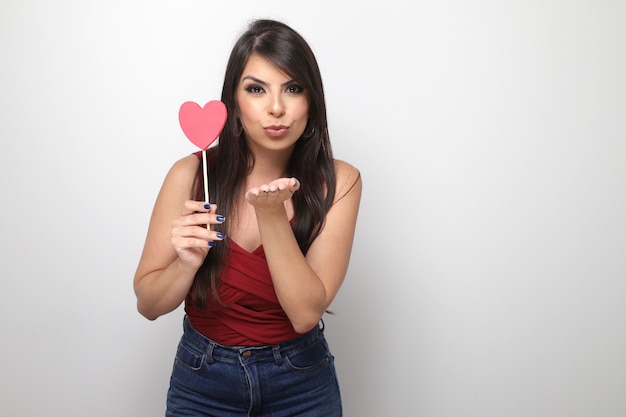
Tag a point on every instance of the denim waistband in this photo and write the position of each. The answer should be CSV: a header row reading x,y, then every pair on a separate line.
x,y
213,349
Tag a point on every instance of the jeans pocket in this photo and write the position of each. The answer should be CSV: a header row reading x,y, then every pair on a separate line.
x,y
189,357
311,357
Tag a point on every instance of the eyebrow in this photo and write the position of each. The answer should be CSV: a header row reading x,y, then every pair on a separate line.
x,y
256,80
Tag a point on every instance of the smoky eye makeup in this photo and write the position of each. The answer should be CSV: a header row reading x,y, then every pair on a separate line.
x,y
253,89
253,85
294,89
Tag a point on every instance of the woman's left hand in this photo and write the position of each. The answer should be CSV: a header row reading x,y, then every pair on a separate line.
x,y
272,194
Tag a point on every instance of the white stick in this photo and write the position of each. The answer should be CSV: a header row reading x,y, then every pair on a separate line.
x,y
206,181
206,177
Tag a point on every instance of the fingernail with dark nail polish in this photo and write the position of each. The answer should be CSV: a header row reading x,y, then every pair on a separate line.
x,y
220,218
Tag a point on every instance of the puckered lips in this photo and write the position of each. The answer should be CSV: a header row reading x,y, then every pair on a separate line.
x,y
276,130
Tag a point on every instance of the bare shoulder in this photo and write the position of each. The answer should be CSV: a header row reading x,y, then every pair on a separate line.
x,y
348,178
179,179
184,169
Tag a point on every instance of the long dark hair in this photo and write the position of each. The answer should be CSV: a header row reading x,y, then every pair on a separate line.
x,y
231,160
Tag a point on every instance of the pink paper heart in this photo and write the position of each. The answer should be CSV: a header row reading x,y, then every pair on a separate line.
x,y
202,125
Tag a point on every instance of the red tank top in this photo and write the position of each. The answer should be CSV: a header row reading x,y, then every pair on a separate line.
x,y
251,314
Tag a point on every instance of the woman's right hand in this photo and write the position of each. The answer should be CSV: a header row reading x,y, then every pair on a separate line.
x,y
192,234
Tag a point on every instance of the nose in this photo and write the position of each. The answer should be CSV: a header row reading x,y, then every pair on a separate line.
x,y
276,106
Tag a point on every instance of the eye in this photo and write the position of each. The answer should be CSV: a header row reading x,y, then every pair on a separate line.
x,y
294,89
254,89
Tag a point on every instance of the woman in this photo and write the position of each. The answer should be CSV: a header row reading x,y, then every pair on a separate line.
x,y
259,266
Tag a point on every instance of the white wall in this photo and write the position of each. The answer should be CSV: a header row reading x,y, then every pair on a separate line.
x,y
489,271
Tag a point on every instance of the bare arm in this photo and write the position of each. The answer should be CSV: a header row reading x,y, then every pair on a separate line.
x,y
176,243
306,286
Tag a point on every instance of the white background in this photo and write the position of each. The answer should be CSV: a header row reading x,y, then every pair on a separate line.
x,y
488,276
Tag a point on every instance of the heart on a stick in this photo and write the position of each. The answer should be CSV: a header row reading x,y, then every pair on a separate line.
x,y
202,125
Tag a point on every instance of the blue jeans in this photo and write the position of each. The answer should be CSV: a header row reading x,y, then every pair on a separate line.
x,y
295,378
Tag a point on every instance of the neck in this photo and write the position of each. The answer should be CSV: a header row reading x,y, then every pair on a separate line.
x,y
269,166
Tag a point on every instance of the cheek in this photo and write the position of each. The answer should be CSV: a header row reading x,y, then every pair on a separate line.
x,y
248,109
302,111
245,109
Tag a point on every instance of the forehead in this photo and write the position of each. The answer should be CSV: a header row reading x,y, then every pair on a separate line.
x,y
262,69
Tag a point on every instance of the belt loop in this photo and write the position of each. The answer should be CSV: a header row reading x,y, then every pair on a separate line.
x,y
209,352
277,358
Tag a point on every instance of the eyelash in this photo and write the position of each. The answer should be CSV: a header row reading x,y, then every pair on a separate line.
x,y
253,89
298,89
257,89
